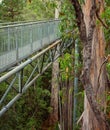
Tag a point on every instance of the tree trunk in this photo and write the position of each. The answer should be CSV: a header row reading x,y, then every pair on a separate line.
x,y
92,38
53,119
97,56
70,105
54,93
67,104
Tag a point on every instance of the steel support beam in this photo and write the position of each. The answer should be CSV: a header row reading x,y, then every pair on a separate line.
x,y
40,62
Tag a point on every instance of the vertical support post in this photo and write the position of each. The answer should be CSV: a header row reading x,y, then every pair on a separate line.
x,y
31,38
21,41
8,58
16,44
75,83
49,32
8,39
41,27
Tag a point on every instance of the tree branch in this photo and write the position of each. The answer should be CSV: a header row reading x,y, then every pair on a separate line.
x,y
98,82
80,20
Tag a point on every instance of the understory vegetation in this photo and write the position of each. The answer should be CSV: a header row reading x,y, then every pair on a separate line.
x,y
32,109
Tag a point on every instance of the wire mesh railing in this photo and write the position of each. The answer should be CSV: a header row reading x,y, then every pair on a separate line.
x,y
18,41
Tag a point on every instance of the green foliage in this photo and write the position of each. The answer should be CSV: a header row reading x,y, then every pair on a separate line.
x,y
108,69
106,16
81,1
108,99
38,10
67,17
10,10
56,127
66,66
18,10
107,2
80,94
31,110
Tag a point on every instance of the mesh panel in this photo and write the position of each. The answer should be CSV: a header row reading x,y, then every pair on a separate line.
x,y
18,41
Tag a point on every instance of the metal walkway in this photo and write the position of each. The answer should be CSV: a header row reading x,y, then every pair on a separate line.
x,y
34,45
19,40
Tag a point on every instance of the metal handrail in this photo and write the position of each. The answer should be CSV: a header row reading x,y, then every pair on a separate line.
x,y
28,23
21,66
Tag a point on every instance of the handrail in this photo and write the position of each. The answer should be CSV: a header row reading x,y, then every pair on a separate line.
x,y
28,23
21,66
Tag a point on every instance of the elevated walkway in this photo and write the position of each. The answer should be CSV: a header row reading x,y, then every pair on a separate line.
x,y
20,40
39,44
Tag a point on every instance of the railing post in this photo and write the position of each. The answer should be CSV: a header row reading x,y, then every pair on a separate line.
x,y
8,40
41,35
48,32
17,55
21,35
31,41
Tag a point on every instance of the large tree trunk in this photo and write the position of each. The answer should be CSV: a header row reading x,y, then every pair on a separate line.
x,y
97,56
54,93
53,119
92,38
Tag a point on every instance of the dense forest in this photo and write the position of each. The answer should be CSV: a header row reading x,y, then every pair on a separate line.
x,y
74,93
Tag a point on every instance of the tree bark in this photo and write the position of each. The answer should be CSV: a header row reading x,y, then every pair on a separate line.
x,y
67,104
54,93
53,119
97,56
93,56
